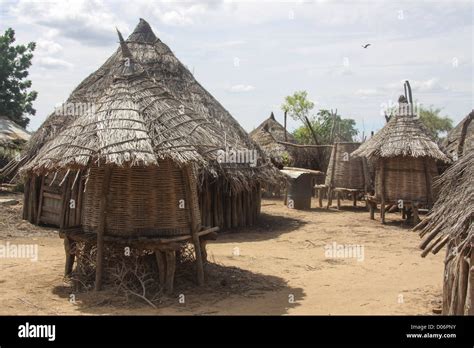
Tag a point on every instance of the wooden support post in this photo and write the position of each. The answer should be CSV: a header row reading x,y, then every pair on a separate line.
x,y
68,248
329,202
40,205
372,207
170,270
320,196
382,193
338,196
161,262
194,226
416,216
102,228
354,199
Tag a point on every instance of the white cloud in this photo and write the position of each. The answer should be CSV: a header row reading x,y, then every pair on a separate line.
x,y
241,88
48,47
52,63
367,92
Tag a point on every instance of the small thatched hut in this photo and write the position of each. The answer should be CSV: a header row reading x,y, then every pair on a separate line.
x,y
405,158
460,138
268,135
12,140
346,174
450,223
142,154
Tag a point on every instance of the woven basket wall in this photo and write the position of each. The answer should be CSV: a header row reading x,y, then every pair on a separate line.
x,y
142,201
405,179
348,171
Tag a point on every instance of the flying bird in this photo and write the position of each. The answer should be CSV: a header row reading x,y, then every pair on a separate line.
x,y
366,45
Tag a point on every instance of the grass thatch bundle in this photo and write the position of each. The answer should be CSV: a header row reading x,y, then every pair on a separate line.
x,y
450,222
460,138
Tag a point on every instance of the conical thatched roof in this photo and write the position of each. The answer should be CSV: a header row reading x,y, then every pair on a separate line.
x,y
272,127
452,214
268,134
142,105
462,134
403,135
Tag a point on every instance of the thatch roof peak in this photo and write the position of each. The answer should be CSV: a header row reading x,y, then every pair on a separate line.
x,y
143,33
272,116
123,45
402,135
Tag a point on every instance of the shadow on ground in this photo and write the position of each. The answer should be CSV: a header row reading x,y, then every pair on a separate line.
x,y
268,227
249,293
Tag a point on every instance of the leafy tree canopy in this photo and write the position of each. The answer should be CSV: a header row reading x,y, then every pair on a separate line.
x,y
15,100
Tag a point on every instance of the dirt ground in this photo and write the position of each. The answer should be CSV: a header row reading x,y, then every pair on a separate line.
x,y
278,267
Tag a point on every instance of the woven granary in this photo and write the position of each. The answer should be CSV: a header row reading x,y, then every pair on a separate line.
x,y
345,174
345,171
140,155
450,223
405,158
142,108
460,138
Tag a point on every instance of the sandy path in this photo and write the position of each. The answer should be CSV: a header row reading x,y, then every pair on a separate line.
x,y
283,258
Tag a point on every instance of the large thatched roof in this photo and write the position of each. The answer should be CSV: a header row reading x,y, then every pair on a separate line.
x,y
452,214
462,134
141,105
403,135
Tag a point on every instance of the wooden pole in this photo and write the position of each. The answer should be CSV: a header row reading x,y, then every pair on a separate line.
x,y
194,227
102,227
382,193
333,168
286,112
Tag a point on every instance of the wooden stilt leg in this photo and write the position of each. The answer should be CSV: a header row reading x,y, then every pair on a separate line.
x,y
416,217
203,250
329,203
170,269
372,210
382,212
68,248
338,196
161,262
320,197
354,199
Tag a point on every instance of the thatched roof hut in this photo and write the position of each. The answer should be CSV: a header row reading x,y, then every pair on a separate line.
x,y
143,108
12,138
460,137
283,149
268,136
141,154
405,158
450,223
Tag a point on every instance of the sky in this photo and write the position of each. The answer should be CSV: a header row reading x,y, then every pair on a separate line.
x,y
251,54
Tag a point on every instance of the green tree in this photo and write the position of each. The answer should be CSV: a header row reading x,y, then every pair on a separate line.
x,y
436,124
15,100
299,107
328,126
